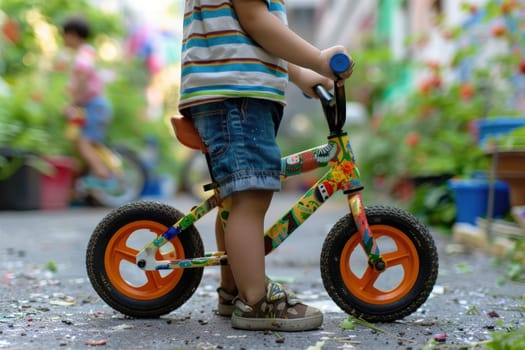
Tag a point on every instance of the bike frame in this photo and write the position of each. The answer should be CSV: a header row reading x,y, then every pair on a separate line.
x,y
342,175
109,159
106,155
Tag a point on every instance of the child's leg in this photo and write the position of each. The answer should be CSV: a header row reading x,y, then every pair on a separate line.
x,y
244,241
88,153
227,282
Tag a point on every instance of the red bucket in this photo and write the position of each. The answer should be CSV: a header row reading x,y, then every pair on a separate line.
x,y
56,188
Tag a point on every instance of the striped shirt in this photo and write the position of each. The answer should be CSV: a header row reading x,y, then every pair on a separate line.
x,y
219,60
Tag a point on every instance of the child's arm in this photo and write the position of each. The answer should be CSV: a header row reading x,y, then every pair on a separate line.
x,y
307,79
79,94
275,37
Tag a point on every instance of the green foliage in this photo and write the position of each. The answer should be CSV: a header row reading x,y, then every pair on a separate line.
x,y
29,116
23,54
434,205
130,125
428,135
31,122
512,340
33,90
515,268
348,324
428,130
377,73
51,266
514,140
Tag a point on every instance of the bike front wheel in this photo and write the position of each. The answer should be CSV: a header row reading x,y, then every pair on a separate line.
x,y
411,266
111,260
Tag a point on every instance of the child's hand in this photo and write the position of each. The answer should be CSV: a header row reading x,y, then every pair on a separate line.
x,y
325,69
70,112
307,79
322,74
73,113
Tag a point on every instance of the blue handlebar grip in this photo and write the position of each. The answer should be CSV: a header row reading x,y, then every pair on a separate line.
x,y
340,63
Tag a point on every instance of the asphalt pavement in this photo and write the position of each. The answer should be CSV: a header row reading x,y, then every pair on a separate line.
x,y
47,302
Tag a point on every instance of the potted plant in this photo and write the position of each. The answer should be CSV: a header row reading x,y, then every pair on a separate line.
x,y
427,133
29,135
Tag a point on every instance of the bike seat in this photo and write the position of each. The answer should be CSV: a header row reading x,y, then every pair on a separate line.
x,y
187,134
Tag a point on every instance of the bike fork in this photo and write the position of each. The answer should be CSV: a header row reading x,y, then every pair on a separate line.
x,y
375,260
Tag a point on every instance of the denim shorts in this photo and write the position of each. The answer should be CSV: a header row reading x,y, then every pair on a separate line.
x,y
239,134
98,116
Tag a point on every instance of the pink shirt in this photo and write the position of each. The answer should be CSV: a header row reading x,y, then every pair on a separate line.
x,y
85,63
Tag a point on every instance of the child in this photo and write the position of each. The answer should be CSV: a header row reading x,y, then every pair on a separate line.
x,y
237,58
86,90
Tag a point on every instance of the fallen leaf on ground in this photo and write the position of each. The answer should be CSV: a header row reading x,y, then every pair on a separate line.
x,y
441,337
93,342
492,314
123,326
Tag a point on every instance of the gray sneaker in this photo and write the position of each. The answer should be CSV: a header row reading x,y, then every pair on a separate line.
x,y
225,305
278,310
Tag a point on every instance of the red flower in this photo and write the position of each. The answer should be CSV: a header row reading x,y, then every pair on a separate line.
x,y
466,91
425,111
522,66
37,97
473,9
508,6
11,30
435,81
430,84
404,190
434,65
412,139
499,30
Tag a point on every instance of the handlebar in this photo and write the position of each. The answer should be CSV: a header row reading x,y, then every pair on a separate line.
x,y
340,63
335,109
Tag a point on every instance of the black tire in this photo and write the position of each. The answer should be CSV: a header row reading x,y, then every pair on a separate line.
x,y
111,266
130,184
195,175
398,234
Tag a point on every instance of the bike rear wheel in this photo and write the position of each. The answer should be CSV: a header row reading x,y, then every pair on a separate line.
x,y
111,260
411,266
195,175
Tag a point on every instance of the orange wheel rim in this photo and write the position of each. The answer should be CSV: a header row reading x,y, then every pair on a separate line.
x,y
120,263
366,286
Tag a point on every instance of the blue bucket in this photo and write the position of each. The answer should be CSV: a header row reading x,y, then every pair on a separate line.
x,y
497,127
471,197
